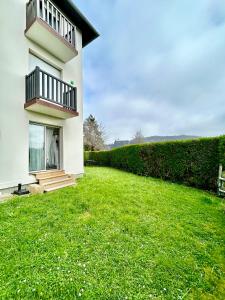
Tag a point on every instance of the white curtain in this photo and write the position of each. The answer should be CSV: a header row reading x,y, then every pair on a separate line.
x,y
52,146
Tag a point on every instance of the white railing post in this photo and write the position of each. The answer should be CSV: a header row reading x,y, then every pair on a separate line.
x,y
47,12
60,24
63,26
44,10
52,17
37,8
75,36
67,30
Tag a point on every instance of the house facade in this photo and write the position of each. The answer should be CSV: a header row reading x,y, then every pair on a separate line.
x,y
41,96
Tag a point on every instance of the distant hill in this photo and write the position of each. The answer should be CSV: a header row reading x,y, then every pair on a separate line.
x,y
152,139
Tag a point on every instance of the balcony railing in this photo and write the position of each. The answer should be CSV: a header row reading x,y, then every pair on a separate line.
x,y
42,85
48,12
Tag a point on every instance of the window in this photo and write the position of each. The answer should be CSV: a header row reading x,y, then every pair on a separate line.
x,y
34,62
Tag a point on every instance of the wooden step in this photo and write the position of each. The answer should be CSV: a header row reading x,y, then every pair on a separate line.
x,y
47,171
56,183
52,178
49,174
59,187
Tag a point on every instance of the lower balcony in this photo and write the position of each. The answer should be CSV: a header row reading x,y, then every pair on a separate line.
x,y
48,95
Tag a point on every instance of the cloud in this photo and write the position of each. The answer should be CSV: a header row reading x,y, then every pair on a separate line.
x,y
158,66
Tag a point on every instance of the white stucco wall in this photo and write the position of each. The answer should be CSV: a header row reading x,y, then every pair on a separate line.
x,y
14,119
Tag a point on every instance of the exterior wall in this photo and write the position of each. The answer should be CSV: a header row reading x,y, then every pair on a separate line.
x,y
14,120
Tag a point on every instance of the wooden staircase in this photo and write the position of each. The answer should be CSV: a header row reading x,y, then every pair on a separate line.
x,y
54,180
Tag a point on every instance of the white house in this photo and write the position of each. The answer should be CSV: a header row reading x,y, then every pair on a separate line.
x,y
41,96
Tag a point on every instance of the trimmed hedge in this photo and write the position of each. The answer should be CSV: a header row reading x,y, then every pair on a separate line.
x,y
193,162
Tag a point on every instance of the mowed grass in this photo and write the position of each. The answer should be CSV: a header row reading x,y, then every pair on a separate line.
x,y
113,236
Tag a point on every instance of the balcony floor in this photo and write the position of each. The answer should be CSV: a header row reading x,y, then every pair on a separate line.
x,y
51,109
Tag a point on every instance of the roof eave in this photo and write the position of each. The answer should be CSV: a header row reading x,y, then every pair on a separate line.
x,y
89,33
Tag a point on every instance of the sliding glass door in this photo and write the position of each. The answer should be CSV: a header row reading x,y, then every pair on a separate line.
x,y
43,148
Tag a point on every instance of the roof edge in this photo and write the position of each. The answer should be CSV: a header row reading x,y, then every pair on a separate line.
x,y
89,33
97,34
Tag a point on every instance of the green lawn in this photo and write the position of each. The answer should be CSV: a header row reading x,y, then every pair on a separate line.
x,y
113,236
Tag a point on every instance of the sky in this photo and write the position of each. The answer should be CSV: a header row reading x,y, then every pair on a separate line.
x,y
158,66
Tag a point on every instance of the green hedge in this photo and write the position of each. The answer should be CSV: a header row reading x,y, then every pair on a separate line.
x,y
192,162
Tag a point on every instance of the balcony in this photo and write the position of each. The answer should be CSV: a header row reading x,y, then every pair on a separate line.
x,y
48,95
47,26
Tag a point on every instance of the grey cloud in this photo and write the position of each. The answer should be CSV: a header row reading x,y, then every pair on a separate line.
x,y
158,65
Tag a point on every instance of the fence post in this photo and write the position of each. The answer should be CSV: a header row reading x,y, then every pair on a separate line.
x,y
220,182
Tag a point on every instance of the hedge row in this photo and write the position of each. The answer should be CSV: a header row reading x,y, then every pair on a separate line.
x,y
193,162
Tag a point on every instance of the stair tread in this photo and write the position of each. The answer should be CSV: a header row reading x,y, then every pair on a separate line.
x,y
57,181
46,180
49,171
59,187
49,176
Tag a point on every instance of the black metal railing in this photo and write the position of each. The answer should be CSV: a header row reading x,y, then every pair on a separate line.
x,y
42,85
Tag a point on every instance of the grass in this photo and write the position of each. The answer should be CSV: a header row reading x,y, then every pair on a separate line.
x,y
113,236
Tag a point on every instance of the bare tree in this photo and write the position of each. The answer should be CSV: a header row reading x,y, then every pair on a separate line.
x,y
93,135
138,138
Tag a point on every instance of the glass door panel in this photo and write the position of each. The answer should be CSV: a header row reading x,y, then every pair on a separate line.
x,y
36,147
52,148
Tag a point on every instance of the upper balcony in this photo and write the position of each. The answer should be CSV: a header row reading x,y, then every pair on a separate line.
x,y
47,26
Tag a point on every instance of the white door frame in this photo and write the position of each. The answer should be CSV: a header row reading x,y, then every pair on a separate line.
x,y
45,143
